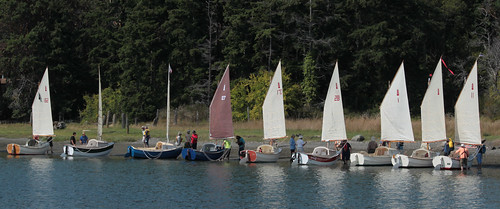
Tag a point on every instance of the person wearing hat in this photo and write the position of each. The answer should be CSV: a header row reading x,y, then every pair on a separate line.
x,y
464,155
300,144
194,140
83,138
178,140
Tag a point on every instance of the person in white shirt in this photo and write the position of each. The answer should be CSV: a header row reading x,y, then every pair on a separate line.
x,y
300,144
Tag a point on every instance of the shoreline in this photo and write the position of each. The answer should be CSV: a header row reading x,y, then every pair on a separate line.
x,y
491,156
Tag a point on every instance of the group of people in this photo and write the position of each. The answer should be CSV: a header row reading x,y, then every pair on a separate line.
x,y
298,146
83,139
463,153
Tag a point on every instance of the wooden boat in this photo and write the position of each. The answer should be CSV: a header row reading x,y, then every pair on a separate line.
x,y
95,147
433,125
273,113
333,127
42,122
162,150
395,123
467,125
221,124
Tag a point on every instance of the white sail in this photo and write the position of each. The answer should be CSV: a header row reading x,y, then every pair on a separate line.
x,y
99,117
333,112
273,110
467,129
432,109
395,117
41,109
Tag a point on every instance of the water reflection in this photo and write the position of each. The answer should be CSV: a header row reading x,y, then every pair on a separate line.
x,y
270,184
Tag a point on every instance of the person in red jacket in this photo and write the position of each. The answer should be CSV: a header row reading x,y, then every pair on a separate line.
x,y
194,140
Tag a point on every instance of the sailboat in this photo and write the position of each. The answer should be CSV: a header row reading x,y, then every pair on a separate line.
x,y
221,124
95,147
333,127
273,113
467,125
433,124
162,150
42,122
395,123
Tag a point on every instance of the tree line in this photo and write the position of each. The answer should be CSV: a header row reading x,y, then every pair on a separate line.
x,y
133,42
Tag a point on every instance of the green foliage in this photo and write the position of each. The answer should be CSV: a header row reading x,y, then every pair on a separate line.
x,y
310,83
111,101
250,93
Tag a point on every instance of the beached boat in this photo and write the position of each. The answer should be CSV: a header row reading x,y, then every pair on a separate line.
x,y
95,147
395,123
433,125
467,125
333,127
221,124
273,113
41,124
162,150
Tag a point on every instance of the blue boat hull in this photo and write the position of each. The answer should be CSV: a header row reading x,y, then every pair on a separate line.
x,y
195,155
156,154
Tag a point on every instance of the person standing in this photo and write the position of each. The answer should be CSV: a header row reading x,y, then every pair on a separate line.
x,y
464,155
194,140
50,144
72,139
241,143
446,149
300,144
227,148
178,139
372,146
188,137
292,144
346,152
480,153
83,138
147,136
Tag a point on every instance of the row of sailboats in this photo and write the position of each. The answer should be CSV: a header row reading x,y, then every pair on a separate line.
x,y
395,125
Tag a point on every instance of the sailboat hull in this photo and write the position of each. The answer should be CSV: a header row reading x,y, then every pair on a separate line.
x,y
153,153
252,156
196,155
39,149
448,163
359,159
102,149
403,161
311,159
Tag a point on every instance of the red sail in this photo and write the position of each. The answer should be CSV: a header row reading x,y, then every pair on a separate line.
x,y
221,117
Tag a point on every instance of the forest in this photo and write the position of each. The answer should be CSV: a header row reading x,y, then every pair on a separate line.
x,y
134,42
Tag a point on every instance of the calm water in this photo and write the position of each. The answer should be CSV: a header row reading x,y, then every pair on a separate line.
x,y
116,182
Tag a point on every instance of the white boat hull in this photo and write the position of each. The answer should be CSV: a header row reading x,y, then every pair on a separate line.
x,y
403,161
83,151
359,159
448,163
310,159
251,156
38,149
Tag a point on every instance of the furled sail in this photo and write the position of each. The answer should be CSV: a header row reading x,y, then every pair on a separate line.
x,y
273,110
395,117
333,112
221,117
41,109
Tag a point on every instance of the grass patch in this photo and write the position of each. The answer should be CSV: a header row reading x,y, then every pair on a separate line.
x,y
250,131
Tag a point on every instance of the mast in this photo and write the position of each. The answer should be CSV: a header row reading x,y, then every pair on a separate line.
x,y
99,117
168,100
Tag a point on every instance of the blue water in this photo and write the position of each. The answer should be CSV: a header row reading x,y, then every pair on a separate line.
x,y
116,182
